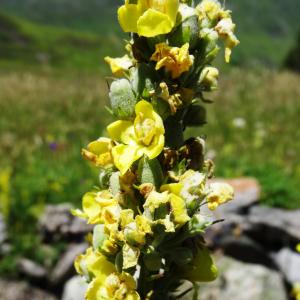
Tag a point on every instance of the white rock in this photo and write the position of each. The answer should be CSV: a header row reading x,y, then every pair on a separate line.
x,y
75,289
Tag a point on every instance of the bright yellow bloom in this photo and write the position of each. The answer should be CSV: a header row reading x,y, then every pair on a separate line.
x,y
219,193
114,287
93,264
175,60
136,231
298,248
178,206
119,65
99,208
99,152
143,136
225,29
148,18
155,200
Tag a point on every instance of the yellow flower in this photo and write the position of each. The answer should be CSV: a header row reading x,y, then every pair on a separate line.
x,y
298,248
119,65
93,264
99,152
99,207
143,136
148,18
210,9
136,231
155,200
114,287
225,29
219,193
178,206
175,60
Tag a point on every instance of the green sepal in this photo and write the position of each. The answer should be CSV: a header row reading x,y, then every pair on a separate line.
x,y
119,262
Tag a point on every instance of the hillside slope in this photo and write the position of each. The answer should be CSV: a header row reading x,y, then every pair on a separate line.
x,y
267,28
30,43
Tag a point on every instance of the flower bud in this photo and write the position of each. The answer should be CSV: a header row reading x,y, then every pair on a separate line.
x,y
209,78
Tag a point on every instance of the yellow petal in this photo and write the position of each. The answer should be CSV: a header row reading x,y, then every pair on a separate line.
x,y
128,16
153,23
121,131
179,211
124,156
174,188
119,65
130,256
91,208
155,148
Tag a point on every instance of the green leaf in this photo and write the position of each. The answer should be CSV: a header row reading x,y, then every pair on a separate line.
x,y
181,255
202,267
122,98
99,236
152,261
150,171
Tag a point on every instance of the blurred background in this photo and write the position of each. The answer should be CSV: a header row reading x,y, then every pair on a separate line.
x,y
53,94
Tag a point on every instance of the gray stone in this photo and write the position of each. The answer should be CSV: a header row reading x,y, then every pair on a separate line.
x,y
286,220
289,264
75,289
31,269
240,281
3,235
13,290
65,266
57,223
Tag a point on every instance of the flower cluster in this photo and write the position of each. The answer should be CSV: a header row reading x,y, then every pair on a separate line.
x,y
147,210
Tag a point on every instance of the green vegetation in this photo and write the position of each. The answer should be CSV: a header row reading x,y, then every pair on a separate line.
x,y
266,28
23,43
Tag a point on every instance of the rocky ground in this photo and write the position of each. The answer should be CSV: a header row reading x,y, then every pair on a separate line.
x,y
254,249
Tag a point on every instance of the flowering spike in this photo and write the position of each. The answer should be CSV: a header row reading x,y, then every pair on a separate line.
x,y
147,210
